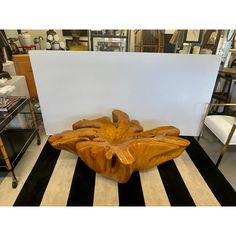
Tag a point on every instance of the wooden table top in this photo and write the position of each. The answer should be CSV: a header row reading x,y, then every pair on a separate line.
x,y
228,71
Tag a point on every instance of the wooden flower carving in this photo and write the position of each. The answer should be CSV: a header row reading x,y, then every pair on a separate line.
x,y
116,149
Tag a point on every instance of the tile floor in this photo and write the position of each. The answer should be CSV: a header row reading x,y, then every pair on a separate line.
x,y
208,141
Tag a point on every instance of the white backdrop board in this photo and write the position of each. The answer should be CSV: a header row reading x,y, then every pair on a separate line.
x,y
156,89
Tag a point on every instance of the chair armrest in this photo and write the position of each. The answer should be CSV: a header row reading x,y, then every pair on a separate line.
x,y
221,104
207,111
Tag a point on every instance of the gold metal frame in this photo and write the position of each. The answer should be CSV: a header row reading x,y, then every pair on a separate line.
x,y
4,152
34,123
226,144
8,163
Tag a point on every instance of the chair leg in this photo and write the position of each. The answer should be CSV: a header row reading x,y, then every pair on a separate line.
x,y
201,133
224,149
202,124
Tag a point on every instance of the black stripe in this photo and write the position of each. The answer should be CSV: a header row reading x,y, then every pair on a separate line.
x,y
131,194
82,187
33,190
175,187
216,181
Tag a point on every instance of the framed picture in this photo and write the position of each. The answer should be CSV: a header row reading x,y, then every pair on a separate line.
x,y
211,39
72,45
70,32
192,36
109,43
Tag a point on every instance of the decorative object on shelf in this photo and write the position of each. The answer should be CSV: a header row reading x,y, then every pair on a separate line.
x,y
53,41
116,149
13,46
186,48
205,51
4,101
25,39
38,41
25,42
196,49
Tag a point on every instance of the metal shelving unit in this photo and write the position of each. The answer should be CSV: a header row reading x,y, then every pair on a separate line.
x,y
14,141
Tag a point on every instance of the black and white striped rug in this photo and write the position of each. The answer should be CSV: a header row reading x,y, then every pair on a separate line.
x,y
59,178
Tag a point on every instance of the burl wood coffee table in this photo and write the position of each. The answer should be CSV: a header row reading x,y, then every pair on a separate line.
x,y
117,148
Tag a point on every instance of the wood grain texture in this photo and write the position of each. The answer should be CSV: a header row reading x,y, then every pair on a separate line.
x,y
23,67
117,148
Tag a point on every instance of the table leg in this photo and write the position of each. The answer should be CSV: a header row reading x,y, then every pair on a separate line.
x,y
35,126
8,164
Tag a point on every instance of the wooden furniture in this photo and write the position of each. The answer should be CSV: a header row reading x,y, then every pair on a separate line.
x,y
14,141
149,41
116,149
223,95
23,67
228,71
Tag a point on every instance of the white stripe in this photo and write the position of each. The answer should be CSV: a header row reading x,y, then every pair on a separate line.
x,y
153,188
59,185
199,190
22,170
106,192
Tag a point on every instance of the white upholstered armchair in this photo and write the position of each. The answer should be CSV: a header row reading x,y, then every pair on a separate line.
x,y
222,126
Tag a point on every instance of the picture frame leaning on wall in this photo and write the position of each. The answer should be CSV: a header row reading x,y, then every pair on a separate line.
x,y
193,36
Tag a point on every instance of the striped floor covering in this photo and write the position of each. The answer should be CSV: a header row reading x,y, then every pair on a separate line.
x,y
59,178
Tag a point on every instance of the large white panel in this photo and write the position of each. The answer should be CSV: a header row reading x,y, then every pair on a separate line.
x,y
156,89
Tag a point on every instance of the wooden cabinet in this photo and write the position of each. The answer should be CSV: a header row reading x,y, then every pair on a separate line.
x,y
149,41
23,67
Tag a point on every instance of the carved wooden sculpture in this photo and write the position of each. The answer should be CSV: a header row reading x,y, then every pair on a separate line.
x,y
116,149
